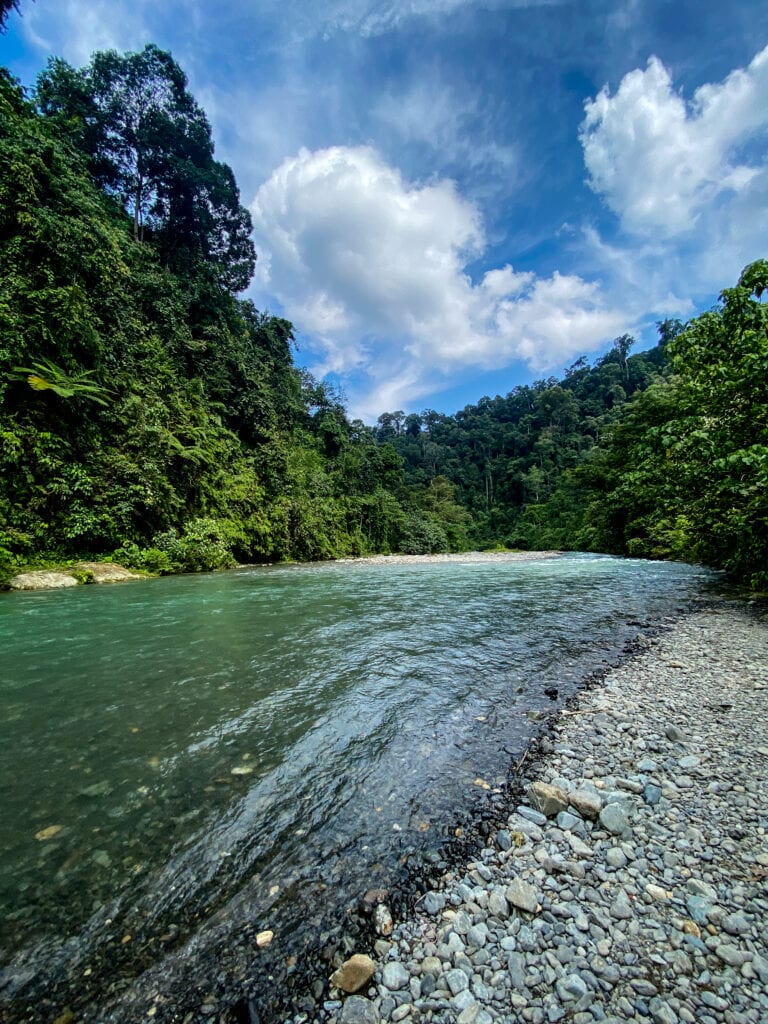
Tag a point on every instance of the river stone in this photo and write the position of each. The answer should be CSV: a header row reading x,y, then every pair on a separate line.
x,y
550,800
434,902
532,815
382,920
698,908
457,981
497,904
731,955
354,973
652,794
621,908
570,822
571,987
40,580
735,924
691,761
586,802
523,896
614,819
394,976
358,1010
615,857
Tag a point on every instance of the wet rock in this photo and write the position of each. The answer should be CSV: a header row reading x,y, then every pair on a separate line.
x,y
371,900
48,833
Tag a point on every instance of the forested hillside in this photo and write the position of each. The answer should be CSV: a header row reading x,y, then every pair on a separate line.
x,y
151,415
663,454
146,409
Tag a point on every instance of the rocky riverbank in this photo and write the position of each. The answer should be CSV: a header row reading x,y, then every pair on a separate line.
x,y
631,884
463,557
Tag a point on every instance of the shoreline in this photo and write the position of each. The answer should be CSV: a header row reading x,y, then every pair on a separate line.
x,y
640,894
84,573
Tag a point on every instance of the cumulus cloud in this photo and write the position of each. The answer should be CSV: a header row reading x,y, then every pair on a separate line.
x,y
374,270
661,163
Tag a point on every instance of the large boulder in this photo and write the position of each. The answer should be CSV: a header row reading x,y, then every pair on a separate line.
x,y
106,572
40,580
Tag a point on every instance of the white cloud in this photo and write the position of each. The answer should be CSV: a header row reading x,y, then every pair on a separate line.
x,y
373,269
660,163
74,30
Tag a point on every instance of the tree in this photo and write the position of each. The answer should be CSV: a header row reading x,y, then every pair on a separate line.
x,y
150,146
6,6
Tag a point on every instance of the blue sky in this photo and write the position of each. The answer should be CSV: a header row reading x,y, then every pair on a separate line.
x,y
451,197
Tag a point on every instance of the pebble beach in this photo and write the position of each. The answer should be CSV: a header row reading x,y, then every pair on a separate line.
x,y
630,884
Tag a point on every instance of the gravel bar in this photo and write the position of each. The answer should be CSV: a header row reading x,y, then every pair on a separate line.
x,y
631,884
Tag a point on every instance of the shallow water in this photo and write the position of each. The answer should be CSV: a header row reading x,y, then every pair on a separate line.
x,y
184,752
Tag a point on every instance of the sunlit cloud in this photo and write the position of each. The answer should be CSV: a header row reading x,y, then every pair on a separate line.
x,y
372,269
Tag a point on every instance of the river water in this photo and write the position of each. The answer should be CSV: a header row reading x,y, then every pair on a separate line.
x,y
186,762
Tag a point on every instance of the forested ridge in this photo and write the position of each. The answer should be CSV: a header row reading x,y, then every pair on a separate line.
x,y
152,415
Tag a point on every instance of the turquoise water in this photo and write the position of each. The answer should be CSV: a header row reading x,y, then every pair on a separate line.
x,y
174,750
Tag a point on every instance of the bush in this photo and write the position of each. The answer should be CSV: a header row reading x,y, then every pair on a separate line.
x,y
202,547
422,536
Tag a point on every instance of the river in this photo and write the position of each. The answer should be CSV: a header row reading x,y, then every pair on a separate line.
x,y
187,762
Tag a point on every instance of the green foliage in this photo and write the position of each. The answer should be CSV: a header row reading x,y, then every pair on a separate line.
x,y
202,546
149,412
181,436
45,375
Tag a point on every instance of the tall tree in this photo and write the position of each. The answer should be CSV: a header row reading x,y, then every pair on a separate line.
x,y
150,146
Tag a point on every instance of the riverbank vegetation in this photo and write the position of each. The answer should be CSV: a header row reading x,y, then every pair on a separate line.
x,y
152,415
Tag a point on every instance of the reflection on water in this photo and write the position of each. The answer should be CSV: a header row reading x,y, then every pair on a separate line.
x,y
163,743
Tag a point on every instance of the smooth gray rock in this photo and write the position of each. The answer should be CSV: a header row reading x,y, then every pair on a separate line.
x,y
394,976
433,903
457,981
614,819
531,814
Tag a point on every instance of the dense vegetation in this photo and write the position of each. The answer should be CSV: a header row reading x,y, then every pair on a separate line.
x,y
663,454
146,409
151,414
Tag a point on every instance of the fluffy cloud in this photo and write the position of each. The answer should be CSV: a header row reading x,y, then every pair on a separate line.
x,y
373,270
662,163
